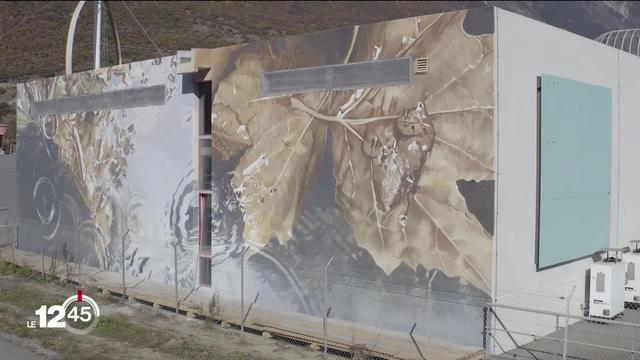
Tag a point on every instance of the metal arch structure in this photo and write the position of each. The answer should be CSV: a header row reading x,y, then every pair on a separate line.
x,y
630,40
72,30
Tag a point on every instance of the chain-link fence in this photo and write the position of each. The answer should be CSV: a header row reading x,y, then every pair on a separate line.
x,y
324,303
329,306
427,316
81,252
327,302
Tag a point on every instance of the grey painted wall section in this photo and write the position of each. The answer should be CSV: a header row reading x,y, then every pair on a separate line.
x,y
111,155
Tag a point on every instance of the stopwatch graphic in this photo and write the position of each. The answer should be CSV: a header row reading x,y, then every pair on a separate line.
x,y
78,314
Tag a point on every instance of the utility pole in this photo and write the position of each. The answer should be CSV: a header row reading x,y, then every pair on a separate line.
x,y
97,33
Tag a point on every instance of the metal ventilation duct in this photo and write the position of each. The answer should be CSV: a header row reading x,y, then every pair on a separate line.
x,y
378,73
119,99
625,40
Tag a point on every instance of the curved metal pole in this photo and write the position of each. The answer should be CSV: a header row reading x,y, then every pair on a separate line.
x,y
72,31
608,37
114,28
615,40
97,34
68,64
623,39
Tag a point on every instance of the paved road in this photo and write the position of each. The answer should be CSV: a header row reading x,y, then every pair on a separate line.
x,y
10,350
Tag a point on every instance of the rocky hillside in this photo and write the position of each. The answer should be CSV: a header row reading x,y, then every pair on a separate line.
x,y
36,47
33,34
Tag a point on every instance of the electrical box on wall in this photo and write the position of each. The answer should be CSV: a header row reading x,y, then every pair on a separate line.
x,y
632,287
606,295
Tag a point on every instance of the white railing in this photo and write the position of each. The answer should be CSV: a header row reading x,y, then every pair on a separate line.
x,y
555,335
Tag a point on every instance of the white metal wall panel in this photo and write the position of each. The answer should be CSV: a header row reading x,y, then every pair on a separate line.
x,y
629,186
526,49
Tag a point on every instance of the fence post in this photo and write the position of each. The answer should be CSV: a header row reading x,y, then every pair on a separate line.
x,y
80,273
124,289
415,343
633,344
555,349
429,308
65,251
76,255
246,315
14,239
175,272
42,245
485,330
5,215
566,324
327,309
244,252
325,343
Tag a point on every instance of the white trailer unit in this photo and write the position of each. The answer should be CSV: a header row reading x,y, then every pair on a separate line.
x,y
632,287
607,283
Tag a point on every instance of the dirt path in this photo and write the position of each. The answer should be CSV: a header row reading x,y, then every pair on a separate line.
x,y
126,330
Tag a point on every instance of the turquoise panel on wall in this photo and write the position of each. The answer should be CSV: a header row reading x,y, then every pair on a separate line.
x,y
574,170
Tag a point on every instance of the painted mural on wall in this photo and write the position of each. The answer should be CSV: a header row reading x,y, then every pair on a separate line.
x,y
88,179
394,183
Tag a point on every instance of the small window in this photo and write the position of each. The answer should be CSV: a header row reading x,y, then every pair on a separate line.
x,y
205,271
205,164
631,271
205,224
600,282
205,107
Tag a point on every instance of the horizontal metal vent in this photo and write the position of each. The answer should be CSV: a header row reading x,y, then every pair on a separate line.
x,y
378,73
421,66
120,99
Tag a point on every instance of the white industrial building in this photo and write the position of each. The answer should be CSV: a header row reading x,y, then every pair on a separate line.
x,y
522,169
525,49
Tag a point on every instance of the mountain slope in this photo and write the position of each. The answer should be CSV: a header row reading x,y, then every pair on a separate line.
x,y
37,46
33,34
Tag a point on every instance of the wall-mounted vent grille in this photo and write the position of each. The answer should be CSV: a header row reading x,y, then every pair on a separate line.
x,y
378,73
421,66
120,99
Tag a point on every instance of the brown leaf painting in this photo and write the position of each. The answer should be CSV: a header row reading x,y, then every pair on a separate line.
x,y
397,151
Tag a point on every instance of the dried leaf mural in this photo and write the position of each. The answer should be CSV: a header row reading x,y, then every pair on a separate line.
x,y
281,148
397,151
